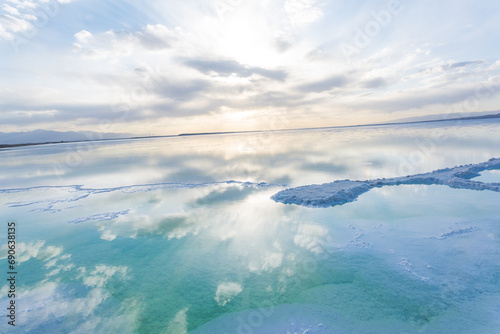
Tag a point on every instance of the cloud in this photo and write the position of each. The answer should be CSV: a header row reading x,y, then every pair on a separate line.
x,y
182,90
302,12
26,17
325,84
101,274
267,262
374,83
226,292
420,98
136,225
218,196
156,37
78,300
310,236
10,24
283,43
36,250
231,67
121,43
49,301
454,65
83,36
179,323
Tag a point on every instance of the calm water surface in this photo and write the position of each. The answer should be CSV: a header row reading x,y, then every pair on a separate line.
x,y
179,235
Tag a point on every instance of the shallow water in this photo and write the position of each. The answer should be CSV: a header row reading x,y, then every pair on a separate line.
x,y
176,235
489,176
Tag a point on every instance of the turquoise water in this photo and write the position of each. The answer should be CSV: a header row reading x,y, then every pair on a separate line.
x,y
179,235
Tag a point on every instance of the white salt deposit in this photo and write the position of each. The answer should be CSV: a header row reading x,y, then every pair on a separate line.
x,y
345,191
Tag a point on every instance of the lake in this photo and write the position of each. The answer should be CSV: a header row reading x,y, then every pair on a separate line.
x,y
180,234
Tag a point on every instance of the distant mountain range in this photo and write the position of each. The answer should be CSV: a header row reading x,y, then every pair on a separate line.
x,y
43,136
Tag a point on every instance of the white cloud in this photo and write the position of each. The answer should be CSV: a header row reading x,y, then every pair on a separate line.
x,y
303,11
26,17
11,24
36,250
226,292
116,43
60,268
49,301
132,225
156,37
178,324
83,36
100,276
10,10
310,237
266,262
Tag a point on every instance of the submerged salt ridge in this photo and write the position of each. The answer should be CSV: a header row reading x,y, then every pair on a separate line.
x,y
345,191
81,192
143,187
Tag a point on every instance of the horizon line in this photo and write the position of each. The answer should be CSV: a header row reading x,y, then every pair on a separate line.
x,y
492,116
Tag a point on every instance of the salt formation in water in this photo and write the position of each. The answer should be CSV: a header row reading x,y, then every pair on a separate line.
x,y
345,191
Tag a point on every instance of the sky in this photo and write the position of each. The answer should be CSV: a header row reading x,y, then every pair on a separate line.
x,y
168,67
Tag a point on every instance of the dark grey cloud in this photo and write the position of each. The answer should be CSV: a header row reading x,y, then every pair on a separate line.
x,y
324,167
182,90
325,84
374,83
273,98
153,42
217,197
228,67
282,44
156,37
462,64
277,99
316,54
178,109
